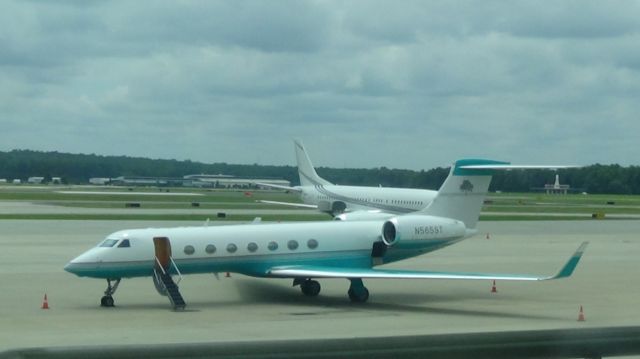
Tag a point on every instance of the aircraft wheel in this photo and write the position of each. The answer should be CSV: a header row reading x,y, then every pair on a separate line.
x,y
360,296
106,301
310,288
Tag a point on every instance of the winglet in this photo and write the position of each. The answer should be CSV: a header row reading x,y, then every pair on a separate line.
x,y
572,263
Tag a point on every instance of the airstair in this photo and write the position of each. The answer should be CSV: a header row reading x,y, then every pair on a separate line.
x,y
169,285
161,270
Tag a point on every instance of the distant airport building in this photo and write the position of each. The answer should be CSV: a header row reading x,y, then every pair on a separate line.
x,y
99,181
146,181
195,180
35,180
3,180
226,181
16,181
557,188
56,180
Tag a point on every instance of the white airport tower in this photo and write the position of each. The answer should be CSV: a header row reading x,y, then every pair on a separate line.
x,y
556,188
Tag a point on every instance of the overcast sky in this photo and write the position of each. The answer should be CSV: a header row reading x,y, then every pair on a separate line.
x,y
401,84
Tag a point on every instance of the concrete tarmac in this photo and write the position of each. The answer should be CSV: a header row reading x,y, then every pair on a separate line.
x,y
606,284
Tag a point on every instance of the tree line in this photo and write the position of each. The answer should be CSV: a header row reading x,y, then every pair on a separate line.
x,y
78,168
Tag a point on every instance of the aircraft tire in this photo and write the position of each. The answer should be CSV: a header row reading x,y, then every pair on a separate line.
x,y
310,288
106,301
361,297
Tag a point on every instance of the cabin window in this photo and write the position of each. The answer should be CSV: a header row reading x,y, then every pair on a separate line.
x,y
292,245
124,244
189,250
108,243
252,247
210,249
312,244
272,246
232,248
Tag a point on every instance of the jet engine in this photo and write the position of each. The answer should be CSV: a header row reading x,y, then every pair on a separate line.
x,y
333,208
420,228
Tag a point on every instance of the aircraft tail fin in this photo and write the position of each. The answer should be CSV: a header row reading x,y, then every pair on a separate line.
x,y
462,193
308,175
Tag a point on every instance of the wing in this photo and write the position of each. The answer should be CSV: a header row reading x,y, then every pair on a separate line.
x,y
364,215
334,272
286,188
291,204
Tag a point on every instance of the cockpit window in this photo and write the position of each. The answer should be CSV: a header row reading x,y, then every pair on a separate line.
x,y
124,243
108,242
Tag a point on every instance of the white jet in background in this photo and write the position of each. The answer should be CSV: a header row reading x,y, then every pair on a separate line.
x,y
350,202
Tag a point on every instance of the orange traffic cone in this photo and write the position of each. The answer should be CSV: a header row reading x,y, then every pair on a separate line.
x,y
228,275
45,302
493,288
581,315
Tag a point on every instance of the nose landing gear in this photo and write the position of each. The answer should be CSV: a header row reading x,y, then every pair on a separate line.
x,y
107,299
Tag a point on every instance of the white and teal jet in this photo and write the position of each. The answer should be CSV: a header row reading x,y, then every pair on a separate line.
x,y
308,251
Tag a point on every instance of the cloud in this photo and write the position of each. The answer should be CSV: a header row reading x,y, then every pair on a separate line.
x,y
364,83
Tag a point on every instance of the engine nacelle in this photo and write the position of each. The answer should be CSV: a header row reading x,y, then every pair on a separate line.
x,y
334,208
421,228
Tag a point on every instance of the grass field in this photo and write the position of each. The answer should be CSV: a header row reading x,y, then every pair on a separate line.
x,y
205,203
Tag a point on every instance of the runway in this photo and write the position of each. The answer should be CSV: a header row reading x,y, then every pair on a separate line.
x,y
606,283
22,207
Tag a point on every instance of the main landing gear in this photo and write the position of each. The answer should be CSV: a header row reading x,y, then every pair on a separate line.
x,y
358,293
107,300
309,287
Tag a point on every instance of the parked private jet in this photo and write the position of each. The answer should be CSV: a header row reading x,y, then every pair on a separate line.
x,y
308,251
350,202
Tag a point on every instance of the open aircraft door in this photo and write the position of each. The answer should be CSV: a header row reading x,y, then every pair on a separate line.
x,y
163,253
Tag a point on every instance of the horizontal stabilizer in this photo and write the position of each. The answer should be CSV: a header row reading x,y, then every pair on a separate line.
x,y
290,204
335,272
286,188
515,167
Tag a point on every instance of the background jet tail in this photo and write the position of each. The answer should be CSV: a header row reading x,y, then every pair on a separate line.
x,y
462,194
308,175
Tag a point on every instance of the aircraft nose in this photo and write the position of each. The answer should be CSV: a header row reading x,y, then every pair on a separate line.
x,y
71,267
80,264
75,265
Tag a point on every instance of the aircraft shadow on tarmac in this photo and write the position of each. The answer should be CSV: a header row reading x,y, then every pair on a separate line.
x,y
270,293
252,292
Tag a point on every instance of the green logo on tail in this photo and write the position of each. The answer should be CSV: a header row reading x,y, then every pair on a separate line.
x,y
466,186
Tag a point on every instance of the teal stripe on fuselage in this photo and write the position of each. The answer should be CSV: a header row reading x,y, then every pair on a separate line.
x,y
258,265
112,270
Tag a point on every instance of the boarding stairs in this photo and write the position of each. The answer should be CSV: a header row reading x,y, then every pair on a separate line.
x,y
170,286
